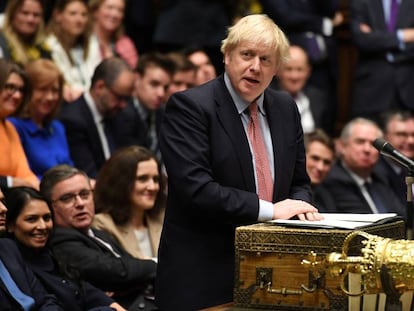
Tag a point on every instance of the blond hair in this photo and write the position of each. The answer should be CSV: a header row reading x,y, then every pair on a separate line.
x,y
261,30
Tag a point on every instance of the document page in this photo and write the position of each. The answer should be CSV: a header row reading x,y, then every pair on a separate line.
x,y
342,221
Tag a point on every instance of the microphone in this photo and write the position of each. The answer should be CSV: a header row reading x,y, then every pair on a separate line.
x,y
388,150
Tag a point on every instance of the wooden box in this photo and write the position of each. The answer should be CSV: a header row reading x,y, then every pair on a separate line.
x,y
269,273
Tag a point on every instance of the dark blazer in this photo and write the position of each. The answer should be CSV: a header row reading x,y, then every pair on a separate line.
x,y
24,279
395,181
377,80
319,104
84,143
348,196
97,264
74,295
211,189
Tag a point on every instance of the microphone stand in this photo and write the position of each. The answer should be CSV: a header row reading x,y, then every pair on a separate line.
x,y
409,180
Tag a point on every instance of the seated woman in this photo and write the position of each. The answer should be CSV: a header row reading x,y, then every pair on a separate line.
x,y
29,223
108,16
73,49
42,136
129,200
23,38
14,169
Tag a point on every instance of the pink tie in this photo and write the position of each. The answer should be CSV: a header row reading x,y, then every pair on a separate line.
x,y
263,174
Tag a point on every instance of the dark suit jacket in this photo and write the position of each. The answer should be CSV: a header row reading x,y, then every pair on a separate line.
x,y
319,104
297,17
377,80
75,295
395,181
84,143
212,189
24,279
97,264
348,196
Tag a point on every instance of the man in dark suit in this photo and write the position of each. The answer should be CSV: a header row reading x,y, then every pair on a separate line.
x,y
312,103
310,24
352,181
398,128
140,121
385,65
89,119
211,169
91,254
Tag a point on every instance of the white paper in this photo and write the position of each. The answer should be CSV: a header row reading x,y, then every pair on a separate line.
x,y
342,221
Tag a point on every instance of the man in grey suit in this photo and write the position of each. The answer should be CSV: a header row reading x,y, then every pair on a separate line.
x,y
214,172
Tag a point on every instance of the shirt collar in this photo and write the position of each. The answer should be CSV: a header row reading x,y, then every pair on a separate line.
x,y
241,104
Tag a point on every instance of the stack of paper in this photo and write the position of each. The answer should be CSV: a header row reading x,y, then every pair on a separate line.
x,y
343,221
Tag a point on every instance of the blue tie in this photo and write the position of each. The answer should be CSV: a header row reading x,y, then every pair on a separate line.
x,y
25,301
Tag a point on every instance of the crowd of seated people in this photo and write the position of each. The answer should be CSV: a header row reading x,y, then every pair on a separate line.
x,y
81,173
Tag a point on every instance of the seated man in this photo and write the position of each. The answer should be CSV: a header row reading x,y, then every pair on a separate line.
x,y
90,253
320,155
19,288
352,180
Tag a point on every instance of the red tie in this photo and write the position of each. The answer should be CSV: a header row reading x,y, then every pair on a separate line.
x,y
263,173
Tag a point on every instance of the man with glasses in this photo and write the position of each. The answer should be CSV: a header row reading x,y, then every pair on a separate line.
x,y
90,253
88,120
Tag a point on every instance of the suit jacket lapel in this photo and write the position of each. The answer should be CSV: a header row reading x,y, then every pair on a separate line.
x,y
230,120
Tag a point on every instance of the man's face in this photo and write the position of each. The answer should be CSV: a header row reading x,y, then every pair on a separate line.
x,y
205,69
181,81
319,159
113,98
295,72
357,151
72,202
251,68
151,87
400,134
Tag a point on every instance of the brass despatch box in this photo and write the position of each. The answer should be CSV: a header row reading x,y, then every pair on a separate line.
x,y
269,273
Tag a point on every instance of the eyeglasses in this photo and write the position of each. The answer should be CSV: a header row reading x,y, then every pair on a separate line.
x,y
11,88
119,97
69,199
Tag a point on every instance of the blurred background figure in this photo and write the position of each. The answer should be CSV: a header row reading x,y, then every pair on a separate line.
x,y
22,38
14,93
312,103
311,24
43,137
30,224
73,49
140,121
398,128
89,120
184,75
107,17
182,23
205,69
320,155
352,180
384,38
129,201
